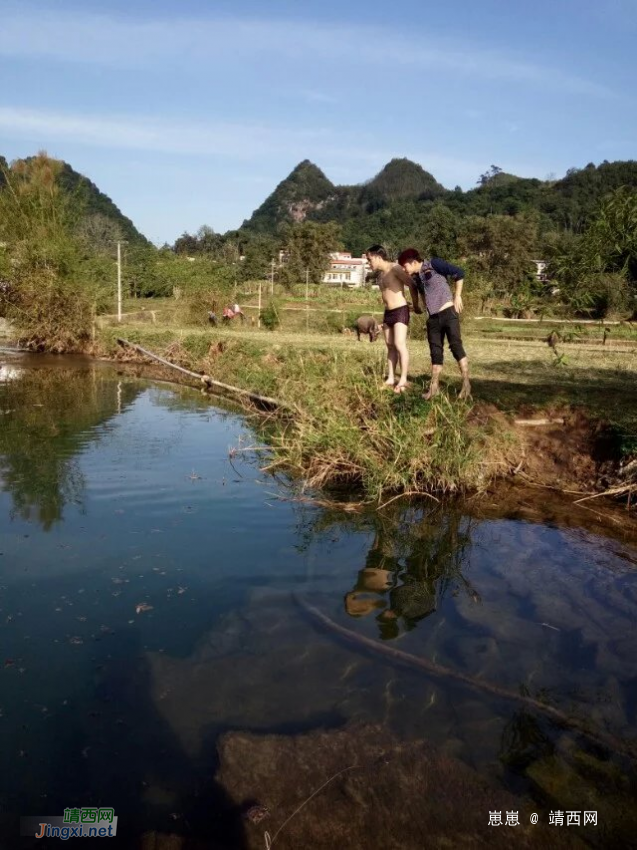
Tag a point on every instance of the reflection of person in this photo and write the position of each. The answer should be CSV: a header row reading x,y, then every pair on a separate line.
x,y
370,580
407,570
444,311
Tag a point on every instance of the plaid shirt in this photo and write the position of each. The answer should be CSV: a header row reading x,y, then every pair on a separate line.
x,y
434,285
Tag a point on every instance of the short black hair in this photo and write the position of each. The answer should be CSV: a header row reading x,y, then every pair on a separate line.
x,y
408,256
377,251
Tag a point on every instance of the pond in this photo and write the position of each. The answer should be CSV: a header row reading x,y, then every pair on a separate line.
x,y
164,602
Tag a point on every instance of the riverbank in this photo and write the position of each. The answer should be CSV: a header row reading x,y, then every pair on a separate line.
x,y
348,432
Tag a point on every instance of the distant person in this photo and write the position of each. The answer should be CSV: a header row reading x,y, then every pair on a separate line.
x,y
444,313
238,311
212,318
392,282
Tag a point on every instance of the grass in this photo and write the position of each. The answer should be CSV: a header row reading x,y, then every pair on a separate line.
x,y
350,432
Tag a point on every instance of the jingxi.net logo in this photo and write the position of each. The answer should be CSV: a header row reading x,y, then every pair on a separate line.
x,y
76,823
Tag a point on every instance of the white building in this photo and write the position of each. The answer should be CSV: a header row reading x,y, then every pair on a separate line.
x,y
540,269
346,270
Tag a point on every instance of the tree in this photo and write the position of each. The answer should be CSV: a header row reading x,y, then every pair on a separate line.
x,y
258,254
440,232
488,176
307,246
597,270
501,249
186,244
55,283
99,233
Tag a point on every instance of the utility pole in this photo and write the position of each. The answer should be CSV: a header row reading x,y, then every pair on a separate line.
x,y
307,301
120,242
272,265
259,314
119,281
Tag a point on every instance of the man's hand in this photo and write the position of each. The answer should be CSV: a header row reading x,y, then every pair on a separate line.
x,y
457,304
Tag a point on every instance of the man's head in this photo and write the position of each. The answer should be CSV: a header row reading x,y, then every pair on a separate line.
x,y
377,257
410,260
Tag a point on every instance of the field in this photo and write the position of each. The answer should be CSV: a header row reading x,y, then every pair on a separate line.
x,y
349,431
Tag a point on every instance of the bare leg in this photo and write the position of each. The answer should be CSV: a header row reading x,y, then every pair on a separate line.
x,y
400,344
463,365
434,386
392,356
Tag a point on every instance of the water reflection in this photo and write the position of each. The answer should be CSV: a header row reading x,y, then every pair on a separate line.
x,y
48,416
417,557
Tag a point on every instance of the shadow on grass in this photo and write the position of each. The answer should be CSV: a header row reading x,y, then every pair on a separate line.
x,y
604,394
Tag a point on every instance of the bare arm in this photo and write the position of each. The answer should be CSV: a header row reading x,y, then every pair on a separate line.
x,y
414,296
457,298
407,281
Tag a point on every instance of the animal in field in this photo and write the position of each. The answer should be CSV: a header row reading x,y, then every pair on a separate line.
x,y
368,326
552,340
230,313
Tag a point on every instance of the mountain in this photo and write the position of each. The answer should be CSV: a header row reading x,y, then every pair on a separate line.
x,y
304,191
92,200
398,202
402,178
96,202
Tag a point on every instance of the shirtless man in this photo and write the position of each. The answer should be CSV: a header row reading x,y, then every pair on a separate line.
x,y
444,311
392,282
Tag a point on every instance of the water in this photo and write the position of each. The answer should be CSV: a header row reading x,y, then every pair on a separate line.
x,y
150,578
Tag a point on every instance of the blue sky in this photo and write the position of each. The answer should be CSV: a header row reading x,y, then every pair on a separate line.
x,y
188,112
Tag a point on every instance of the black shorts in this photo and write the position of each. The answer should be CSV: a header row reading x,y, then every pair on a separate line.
x,y
446,323
398,314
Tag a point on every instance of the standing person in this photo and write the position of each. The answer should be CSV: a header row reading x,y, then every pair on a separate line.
x,y
444,312
392,284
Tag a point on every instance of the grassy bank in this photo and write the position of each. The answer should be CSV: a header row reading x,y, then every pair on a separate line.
x,y
349,431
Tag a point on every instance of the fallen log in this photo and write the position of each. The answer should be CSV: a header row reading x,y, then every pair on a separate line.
x,y
406,659
262,400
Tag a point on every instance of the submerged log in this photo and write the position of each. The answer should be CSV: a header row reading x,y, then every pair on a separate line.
x,y
399,656
262,400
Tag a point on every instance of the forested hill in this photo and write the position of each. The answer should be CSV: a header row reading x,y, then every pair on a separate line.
x,y
96,206
395,201
304,191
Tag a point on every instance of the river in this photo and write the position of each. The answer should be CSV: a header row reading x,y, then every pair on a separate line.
x,y
159,593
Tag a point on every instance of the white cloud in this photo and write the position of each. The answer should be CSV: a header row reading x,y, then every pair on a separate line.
x,y
150,134
318,97
345,158
130,42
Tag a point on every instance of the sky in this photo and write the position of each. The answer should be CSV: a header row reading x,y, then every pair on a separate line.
x,y
190,112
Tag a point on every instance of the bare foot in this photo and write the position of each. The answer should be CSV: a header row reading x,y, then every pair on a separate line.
x,y
465,392
390,383
434,389
400,388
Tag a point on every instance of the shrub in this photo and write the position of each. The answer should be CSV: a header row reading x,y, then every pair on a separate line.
x,y
270,315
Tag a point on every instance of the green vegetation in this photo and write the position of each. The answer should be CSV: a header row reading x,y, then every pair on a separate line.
x,y
57,286
305,188
348,431
584,225
52,285
307,248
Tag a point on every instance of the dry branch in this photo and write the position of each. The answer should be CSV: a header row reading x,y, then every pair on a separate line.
x,y
206,379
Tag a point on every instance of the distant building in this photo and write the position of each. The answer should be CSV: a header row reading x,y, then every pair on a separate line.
x,y
346,270
540,270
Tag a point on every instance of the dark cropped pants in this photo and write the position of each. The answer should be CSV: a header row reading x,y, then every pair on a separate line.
x,y
444,324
